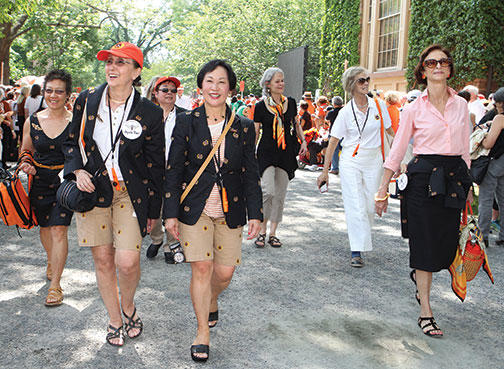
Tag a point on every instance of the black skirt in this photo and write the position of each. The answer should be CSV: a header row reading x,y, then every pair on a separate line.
x,y
431,206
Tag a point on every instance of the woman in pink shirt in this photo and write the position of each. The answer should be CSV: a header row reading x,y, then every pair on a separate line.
x,y
438,177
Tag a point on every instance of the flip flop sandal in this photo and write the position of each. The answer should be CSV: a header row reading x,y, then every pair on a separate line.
x,y
116,333
213,317
200,349
431,323
274,241
412,276
54,297
133,324
260,241
357,262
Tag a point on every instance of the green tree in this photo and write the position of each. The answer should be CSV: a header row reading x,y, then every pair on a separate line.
x,y
339,42
249,34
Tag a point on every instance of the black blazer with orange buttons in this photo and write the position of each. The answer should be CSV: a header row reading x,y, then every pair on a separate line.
x,y
191,144
141,159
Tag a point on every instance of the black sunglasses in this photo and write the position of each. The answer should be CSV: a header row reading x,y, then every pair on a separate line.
x,y
166,90
432,63
362,80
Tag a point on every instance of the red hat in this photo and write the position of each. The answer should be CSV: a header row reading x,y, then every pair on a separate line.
x,y
162,80
122,50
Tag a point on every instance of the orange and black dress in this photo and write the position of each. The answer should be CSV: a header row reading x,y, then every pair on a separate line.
x,y
48,161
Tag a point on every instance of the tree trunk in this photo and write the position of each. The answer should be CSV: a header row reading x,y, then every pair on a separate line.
x,y
5,44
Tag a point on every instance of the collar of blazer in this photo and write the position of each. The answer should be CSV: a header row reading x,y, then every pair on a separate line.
x,y
93,102
232,137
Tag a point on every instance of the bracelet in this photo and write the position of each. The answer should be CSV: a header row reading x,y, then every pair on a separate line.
x,y
381,199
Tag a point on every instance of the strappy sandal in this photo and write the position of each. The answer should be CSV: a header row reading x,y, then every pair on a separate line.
x,y
412,275
260,241
133,324
213,317
431,323
54,297
274,241
200,349
116,333
49,272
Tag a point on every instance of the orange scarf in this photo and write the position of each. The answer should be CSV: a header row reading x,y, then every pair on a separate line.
x,y
278,128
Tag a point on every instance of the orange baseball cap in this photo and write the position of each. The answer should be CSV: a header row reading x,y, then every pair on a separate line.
x,y
164,79
123,50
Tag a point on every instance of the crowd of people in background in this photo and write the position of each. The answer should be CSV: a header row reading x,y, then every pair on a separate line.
x,y
206,165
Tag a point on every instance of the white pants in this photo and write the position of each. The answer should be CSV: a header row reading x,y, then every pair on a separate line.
x,y
360,179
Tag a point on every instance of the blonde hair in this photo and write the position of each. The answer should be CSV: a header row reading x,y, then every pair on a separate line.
x,y
348,78
392,97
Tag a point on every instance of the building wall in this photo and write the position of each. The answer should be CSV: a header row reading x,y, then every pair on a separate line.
x,y
392,76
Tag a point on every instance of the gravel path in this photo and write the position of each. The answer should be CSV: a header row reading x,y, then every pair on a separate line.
x,y
301,306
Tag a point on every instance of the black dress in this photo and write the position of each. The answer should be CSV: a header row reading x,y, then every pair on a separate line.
x,y
46,181
268,152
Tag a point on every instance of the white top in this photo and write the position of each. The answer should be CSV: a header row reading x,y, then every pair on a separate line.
x,y
101,132
345,126
183,102
32,104
477,108
169,124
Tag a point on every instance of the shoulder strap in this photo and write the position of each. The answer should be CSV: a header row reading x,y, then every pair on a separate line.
x,y
382,129
208,158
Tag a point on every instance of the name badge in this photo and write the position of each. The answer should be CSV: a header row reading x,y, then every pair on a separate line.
x,y
131,129
402,181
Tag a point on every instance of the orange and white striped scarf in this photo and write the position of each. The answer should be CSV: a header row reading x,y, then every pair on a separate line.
x,y
278,128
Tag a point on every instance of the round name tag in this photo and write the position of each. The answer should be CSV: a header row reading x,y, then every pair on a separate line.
x,y
131,129
402,181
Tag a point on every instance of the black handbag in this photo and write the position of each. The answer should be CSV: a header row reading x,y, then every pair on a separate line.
x,y
479,168
73,199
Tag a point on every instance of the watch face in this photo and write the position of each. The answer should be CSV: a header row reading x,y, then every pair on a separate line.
x,y
402,181
178,257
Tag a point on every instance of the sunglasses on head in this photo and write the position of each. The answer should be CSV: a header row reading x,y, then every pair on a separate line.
x,y
49,91
166,90
432,63
362,80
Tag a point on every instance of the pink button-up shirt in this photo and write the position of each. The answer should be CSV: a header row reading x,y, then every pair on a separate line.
x,y
432,132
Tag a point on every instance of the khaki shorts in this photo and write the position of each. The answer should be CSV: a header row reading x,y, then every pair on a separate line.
x,y
211,239
117,224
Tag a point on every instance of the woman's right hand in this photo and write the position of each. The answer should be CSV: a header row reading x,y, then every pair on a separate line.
x,y
171,225
83,179
28,168
323,177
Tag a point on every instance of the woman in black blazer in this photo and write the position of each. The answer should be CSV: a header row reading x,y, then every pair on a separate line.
x,y
128,184
211,217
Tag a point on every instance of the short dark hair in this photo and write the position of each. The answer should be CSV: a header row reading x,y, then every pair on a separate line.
x,y
303,105
211,66
419,69
61,75
35,91
137,82
465,94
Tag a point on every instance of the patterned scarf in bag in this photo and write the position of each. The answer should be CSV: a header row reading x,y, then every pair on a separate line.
x,y
277,110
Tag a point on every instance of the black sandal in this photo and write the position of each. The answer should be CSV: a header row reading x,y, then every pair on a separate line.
x,y
260,241
274,241
213,317
200,349
133,324
432,323
412,275
116,333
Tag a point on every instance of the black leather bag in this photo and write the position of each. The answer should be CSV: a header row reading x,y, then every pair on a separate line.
x,y
479,168
70,197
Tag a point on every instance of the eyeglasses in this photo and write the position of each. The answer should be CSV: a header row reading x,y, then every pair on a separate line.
x,y
118,62
166,90
362,80
49,91
432,63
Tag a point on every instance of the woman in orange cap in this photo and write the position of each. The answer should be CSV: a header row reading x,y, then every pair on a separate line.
x,y
116,149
